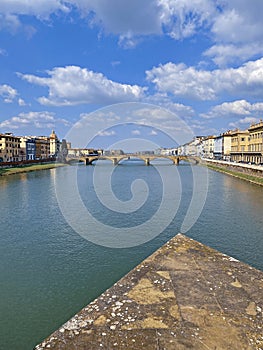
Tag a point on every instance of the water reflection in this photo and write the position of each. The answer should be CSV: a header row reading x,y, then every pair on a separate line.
x,y
250,195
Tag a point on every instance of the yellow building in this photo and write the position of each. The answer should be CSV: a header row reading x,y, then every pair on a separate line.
x,y
239,145
255,150
9,148
54,144
226,144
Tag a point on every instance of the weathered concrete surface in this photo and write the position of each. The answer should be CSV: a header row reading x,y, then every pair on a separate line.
x,y
185,296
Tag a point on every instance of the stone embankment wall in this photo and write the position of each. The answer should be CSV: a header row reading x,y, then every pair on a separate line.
x,y
26,162
255,170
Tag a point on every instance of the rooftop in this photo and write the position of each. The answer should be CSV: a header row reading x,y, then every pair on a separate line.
x,y
256,126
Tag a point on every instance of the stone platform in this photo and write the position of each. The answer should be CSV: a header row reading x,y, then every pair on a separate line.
x,y
184,296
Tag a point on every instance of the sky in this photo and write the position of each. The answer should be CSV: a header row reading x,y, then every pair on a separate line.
x,y
174,64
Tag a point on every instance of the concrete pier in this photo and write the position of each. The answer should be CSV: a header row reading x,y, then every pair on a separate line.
x,y
184,296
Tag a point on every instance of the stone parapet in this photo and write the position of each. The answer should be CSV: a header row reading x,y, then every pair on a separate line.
x,y
184,296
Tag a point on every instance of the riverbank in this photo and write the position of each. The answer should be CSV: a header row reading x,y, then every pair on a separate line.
x,y
224,168
29,168
186,295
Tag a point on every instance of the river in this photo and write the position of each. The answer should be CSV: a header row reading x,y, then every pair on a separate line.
x,y
49,272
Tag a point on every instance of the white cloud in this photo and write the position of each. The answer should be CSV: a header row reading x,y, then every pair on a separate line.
x,y
180,80
115,63
229,24
7,93
242,123
3,52
136,132
137,115
38,8
179,18
38,120
128,41
163,119
73,85
164,101
107,133
10,95
127,19
133,19
235,109
12,13
237,31
183,18
249,120
153,133
120,16
142,113
124,18
238,21
21,102
9,21
224,54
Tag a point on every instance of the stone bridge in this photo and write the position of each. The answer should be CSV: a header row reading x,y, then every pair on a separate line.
x,y
147,158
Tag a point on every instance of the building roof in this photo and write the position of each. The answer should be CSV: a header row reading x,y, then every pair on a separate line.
x,y
256,126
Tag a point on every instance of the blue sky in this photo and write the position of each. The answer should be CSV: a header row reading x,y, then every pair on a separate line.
x,y
199,59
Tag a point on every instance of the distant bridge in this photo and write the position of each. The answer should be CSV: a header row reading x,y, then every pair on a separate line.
x,y
147,158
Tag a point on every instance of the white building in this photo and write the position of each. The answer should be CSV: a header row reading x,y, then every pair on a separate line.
x,y
192,148
22,151
222,146
208,147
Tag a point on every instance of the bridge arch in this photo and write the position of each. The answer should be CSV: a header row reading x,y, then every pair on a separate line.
x,y
173,159
136,157
114,159
147,158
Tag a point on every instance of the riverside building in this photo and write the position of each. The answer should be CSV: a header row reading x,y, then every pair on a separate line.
x,y
255,148
222,146
239,145
54,144
208,147
9,148
42,147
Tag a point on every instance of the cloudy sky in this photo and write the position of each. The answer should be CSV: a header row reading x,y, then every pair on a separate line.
x,y
202,60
